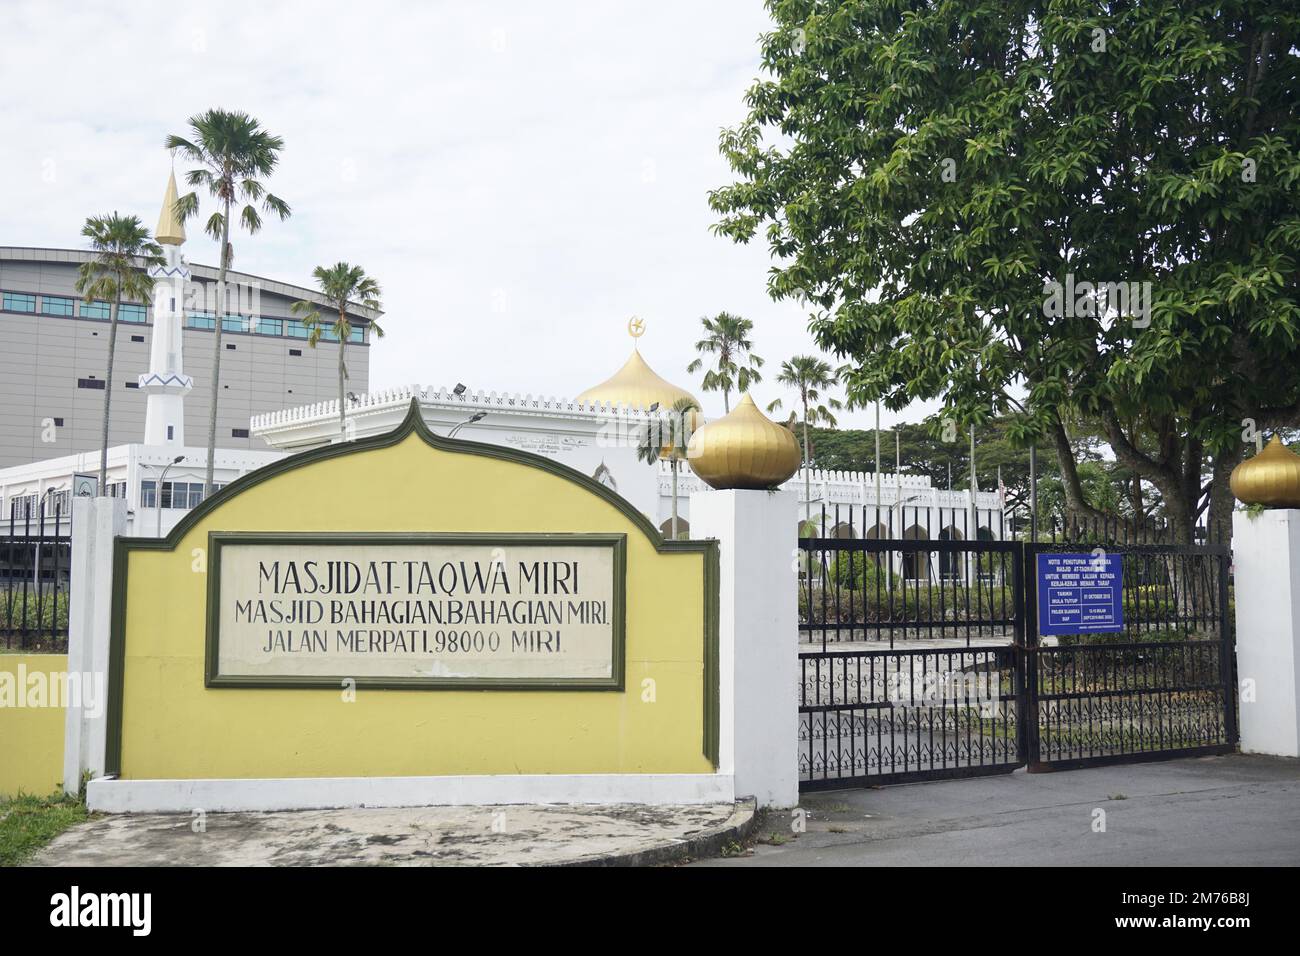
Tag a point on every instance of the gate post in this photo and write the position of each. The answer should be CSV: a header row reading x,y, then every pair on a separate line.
x,y
95,523
1266,557
758,634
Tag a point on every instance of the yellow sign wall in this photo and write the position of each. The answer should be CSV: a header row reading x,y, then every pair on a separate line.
x,y
166,723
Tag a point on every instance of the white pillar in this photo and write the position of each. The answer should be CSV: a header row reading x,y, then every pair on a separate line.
x,y
1266,573
95,522
758,638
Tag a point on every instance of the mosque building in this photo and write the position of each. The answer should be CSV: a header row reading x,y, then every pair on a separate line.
x,y
597,432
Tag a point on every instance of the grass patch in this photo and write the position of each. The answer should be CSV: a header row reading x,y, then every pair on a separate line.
x,y
27,823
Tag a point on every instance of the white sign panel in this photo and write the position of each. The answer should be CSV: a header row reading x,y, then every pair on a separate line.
x,y
397,610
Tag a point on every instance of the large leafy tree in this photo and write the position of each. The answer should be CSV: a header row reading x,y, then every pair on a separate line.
x,y
233,155
121,247
726,338
340,284
925,171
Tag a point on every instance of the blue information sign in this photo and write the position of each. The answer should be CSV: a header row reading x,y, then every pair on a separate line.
x,y
1080,593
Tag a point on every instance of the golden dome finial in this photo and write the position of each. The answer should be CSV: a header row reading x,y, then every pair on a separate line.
x,y
636,384
1270,478
744,449
170,231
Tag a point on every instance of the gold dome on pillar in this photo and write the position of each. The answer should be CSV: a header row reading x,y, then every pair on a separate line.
x,y
1271,478
745,449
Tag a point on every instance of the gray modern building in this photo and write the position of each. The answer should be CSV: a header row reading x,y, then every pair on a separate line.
x,y
54,353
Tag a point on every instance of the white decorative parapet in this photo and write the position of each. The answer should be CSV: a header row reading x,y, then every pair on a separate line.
x,y
437,397
1266,576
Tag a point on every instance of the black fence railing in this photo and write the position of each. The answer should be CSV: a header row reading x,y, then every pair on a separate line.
x,y
35,573
922,658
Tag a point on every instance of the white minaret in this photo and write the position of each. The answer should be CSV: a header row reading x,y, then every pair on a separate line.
x,y
166,382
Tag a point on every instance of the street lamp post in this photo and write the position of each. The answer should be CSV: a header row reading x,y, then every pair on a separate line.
x,y
476,417
157,491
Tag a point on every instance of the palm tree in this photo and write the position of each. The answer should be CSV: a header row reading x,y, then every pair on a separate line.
x,y
232,151
810,376
121,244
737,365
340,284
667,437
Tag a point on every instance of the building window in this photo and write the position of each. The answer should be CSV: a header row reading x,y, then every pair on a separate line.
x,y
171,432
17,302
295,329
358,334
55,305
89,383
295,351
58,502
200,320
175,494
96,310
236,323
230,346
58,423
132,384
117,489
270,327
130,312
239,433
23,508
137,338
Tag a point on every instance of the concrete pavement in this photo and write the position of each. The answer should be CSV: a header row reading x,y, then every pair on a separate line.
x,y
1215,811
425,836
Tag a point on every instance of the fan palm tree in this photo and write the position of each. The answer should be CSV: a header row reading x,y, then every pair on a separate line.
x,y
810,376
666,437
737,366
340,284
233,153
121,245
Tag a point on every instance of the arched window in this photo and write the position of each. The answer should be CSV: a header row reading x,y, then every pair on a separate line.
x,y
916,564
683,528
950,562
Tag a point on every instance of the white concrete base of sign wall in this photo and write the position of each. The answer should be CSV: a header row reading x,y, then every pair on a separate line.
x,y
1266,578
111,795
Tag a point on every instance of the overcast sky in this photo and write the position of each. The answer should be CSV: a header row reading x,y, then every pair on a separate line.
x,y
520,177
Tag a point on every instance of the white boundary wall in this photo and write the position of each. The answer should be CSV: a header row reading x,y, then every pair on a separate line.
x,y
95,522
1266,572
758,634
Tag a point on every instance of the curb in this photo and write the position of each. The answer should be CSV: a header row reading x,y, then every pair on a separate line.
x,y
736,827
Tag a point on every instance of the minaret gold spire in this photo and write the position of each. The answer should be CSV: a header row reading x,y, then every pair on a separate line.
x,y
170,231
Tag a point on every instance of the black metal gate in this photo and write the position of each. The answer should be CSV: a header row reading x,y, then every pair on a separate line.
x,y
921,659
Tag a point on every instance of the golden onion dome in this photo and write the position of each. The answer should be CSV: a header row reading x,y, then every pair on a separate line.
x,y
745,449
635,385
1270,478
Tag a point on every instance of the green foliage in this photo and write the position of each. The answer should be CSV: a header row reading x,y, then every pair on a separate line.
x,y
923,174
121,246
341,284
736,366
27,823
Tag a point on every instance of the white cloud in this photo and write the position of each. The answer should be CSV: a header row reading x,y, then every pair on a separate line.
x,y
520,177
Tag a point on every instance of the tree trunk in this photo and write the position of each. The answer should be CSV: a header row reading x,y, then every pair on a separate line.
x,y
216,353
108,390
807,473
672,466
343,422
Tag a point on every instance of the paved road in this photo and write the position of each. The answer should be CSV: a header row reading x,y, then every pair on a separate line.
x,y
1217,811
